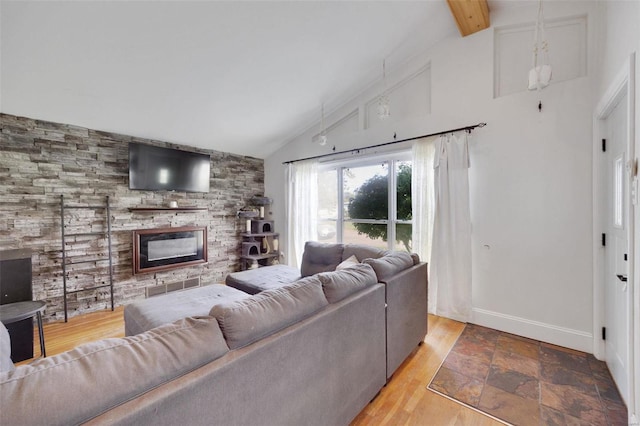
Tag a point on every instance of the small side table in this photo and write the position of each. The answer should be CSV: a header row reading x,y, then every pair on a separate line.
x,y
14,312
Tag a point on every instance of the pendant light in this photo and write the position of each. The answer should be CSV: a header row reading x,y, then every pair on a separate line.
x,y
540,74
383,101
321,138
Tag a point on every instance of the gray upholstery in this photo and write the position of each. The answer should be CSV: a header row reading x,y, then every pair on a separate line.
x,y
405,280
77,385
340,284
390,264
5,350
247,320
154,311
362,252
320,257
406,295
303,367
254,281
321,371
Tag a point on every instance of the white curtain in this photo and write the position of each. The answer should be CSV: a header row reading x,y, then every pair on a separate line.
x,y
422,197
450,279
302,208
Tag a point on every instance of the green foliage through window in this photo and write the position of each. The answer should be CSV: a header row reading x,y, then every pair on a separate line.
x,y
370,202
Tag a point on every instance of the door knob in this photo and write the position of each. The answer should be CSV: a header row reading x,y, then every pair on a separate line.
x,y
622,278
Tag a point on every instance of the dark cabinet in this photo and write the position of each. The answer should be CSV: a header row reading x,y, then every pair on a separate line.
x,y
15,286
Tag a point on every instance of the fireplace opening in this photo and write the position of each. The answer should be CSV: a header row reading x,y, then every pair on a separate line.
x,y
168,248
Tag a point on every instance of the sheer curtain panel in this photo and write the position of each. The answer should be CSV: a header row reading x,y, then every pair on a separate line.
x,y
450,279
302,208
422,197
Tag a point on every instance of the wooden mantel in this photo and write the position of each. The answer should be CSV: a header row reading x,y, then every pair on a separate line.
x,y
471,15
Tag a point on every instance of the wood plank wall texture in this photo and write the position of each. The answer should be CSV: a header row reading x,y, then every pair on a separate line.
x,y
41,160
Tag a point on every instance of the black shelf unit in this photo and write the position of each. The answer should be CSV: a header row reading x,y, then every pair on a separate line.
x,y
66,259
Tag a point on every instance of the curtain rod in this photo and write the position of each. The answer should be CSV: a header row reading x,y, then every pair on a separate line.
x,y
468,128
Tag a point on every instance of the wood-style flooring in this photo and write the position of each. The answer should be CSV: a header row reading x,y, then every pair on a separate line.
x,y
404,401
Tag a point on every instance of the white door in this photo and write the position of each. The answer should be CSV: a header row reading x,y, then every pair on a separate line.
x,y
617,248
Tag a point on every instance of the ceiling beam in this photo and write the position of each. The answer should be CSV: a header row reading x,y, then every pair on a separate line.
x,y
471,15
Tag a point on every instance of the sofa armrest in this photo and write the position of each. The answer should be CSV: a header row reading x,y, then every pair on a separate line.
x,y
406,297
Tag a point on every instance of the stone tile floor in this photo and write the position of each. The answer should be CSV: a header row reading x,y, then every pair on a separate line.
x,y
526,382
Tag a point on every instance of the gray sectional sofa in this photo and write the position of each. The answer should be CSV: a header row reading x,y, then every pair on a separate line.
x,y
405,282
312,351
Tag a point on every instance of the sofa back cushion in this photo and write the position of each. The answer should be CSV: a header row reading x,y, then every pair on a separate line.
x,y
362,252
320,257
390,264
342,283
246,321
77,385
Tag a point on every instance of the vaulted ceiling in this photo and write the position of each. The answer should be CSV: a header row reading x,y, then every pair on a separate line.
x,y
240,77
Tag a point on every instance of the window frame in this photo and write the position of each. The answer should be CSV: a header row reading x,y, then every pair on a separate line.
x,y
392,159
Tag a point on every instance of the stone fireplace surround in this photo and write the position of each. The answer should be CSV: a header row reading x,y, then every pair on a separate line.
x,y
40,160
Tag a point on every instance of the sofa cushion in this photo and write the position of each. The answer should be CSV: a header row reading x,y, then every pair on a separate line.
x,y
353,260
107,373
150,313
254,281
320,257
5,350
362,252
342,283
390,264
248,320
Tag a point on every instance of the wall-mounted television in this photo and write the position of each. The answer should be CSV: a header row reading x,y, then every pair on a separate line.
x,y
154,168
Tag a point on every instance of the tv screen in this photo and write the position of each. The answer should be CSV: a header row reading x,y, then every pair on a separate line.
x,y
164,169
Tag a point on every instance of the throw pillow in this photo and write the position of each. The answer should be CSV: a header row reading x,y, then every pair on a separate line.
x,y
353,260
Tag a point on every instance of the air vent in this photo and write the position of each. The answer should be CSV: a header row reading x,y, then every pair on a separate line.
x,y
170,287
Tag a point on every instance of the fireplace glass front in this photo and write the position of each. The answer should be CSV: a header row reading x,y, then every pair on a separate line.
x,y
167,248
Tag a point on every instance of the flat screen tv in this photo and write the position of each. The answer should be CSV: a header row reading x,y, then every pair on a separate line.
x,y
154,168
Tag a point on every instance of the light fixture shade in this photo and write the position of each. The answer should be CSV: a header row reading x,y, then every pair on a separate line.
x,y
322,138
540,73
383,109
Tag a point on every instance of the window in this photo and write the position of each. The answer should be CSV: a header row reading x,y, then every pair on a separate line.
x,y
375,202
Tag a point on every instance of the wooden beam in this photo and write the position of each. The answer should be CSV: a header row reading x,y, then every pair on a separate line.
x,y
471,15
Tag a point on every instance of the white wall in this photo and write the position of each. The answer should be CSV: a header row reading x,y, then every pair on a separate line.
x,y
530,180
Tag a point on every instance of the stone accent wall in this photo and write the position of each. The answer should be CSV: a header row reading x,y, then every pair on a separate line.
x,y
41,160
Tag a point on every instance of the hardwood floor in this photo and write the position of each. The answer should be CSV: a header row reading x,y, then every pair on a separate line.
x,y
60,336
404,401
407,401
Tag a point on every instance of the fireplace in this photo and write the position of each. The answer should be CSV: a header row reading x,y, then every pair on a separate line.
x,y
168,248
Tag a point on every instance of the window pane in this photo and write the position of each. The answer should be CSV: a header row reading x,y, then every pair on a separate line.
x,y
368,234
327,231
403,190
327,205
366,192
403,237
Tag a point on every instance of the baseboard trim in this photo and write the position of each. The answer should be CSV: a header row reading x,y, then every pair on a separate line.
x,y
561,336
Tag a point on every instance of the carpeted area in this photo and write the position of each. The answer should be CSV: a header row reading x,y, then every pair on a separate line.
x,y
526,382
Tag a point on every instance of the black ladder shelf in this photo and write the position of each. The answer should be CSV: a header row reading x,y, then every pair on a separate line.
x,y
66,259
